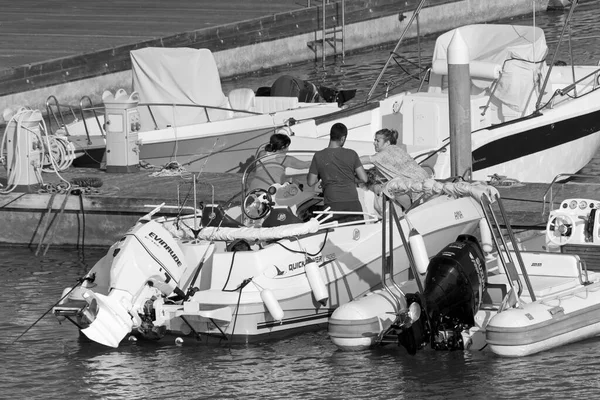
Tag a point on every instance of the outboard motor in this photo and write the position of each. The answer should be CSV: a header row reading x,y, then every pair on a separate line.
x,y
147,264
455,282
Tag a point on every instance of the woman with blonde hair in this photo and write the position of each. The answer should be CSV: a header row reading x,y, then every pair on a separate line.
x,y
392,161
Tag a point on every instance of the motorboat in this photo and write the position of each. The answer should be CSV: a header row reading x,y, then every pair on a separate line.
x,y
270,267
512,302
526,112
178,112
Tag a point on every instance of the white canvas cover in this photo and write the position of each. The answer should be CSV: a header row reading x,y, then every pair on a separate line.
x,y
513,53
177,76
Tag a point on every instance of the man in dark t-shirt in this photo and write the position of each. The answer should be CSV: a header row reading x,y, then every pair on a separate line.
x,y
338,169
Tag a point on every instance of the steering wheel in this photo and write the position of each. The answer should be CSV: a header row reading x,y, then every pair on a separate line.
x,y
257,204
560,229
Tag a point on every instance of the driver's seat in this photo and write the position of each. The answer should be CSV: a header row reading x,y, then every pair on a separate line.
x,y
280,215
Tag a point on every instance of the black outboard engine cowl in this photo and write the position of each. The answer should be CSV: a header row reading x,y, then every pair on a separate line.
x,y
455,282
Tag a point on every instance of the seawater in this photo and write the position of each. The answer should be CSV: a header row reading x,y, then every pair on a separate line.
x,y
51,361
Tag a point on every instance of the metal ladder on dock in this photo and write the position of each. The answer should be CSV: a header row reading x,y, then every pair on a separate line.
x,y
333,35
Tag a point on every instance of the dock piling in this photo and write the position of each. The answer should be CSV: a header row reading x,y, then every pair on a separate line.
x,y
459,99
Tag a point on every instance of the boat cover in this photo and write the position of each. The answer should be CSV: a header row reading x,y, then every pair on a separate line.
x,y
177,76
399,186
277,232
514,53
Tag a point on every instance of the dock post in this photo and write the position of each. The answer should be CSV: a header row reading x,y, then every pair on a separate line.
x,y
459,99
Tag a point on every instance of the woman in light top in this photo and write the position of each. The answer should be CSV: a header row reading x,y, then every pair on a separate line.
x,y
392,161
271,170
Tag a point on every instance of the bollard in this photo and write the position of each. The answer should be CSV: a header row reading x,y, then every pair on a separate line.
x,y
459,98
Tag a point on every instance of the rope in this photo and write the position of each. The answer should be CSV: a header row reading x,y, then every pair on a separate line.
x,y
87,182
46,223
229,274
306,252
55,225
83,226
237,307
503,181
172,168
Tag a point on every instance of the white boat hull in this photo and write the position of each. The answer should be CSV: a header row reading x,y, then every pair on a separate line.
x,y
229,301
550,322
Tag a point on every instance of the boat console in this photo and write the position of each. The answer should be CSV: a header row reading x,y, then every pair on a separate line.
x,y
574,228
574,222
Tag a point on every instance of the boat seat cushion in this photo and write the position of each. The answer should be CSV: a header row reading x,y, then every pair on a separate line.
x,y
549,264
241,99
549,273
271,104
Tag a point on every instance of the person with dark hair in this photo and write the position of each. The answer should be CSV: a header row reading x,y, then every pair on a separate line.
x,y
338,168
271,169
392,161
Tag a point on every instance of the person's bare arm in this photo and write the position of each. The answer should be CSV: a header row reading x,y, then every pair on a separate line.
x,y
361,174
312,179
365,160
293,162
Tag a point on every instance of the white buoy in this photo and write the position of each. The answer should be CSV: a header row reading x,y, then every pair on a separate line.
x,y
315,281
272,304
417,245
486,236
132,339
178,341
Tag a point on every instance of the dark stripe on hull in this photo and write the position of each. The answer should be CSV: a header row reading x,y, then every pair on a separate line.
x,y
534,140
563,324
295,320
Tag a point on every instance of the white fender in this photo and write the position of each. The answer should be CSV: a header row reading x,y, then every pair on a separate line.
x,y
486,236
272,304
315,281
417,245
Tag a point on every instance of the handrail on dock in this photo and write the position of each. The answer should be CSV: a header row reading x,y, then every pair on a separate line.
x,y
91,108
56,113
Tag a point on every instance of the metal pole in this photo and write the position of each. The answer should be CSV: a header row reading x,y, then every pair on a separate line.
x,y
408,250
562,33
323,37
343,30
412,18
